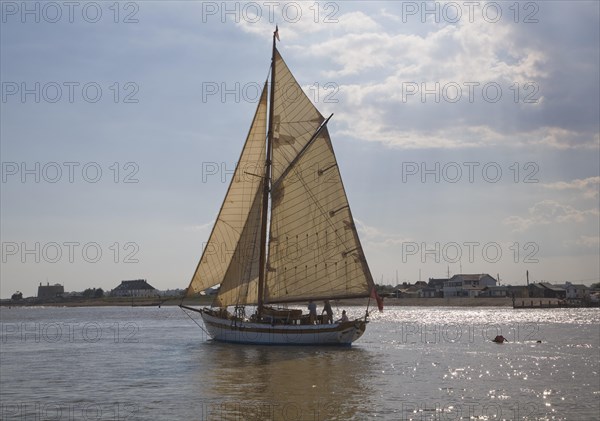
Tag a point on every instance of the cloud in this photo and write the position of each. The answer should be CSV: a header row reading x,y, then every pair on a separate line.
x,y
589,187
585,241
298,20
549,212
374,237
373,127
200,227
469,51
372,64
560,138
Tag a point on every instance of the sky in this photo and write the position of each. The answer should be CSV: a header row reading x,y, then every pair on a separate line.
x,y
467,134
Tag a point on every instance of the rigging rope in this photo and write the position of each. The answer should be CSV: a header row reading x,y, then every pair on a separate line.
x,y
194,320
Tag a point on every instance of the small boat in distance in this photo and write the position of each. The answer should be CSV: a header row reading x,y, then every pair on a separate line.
x,y
287,187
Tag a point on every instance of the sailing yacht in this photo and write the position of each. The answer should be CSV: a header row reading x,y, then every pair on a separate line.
x,y
285,233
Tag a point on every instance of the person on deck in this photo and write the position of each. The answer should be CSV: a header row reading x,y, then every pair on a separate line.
x,y
327,309
312,312
344,317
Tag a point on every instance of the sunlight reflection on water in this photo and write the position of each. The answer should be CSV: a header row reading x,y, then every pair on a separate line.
x,y
412,363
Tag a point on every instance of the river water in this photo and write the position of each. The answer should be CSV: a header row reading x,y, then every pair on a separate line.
x,y
413,363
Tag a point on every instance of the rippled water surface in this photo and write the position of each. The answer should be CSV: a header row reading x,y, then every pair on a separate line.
x,y
148,363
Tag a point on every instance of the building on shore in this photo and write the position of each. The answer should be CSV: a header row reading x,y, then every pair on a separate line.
x,y
497,291
467,285
48,291
517,291
434,288
546,290
134,288
576,291
407,290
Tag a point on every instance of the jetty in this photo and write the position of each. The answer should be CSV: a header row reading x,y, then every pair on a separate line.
x,y
553,303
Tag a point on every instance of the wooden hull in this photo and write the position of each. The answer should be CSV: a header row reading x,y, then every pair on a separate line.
x,y
226,330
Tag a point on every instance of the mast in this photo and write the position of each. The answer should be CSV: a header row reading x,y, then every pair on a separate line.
x,y
267,182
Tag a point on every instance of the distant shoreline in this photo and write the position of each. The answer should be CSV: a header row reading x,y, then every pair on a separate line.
x,y
206,301
108,301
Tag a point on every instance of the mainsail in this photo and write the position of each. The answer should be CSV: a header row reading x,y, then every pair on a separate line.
x,y
314,250
230,257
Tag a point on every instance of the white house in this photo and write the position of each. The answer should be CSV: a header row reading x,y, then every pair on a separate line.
x,y
576,291
467,285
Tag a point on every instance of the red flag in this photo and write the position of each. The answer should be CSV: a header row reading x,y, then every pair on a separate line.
x,y
377,298
276,33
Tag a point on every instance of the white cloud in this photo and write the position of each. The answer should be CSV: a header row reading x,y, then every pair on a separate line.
x,y
371,55
467,51
374,237
200,227
549,212
373,62
585,241
560,138
371,126
589,187
302,19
